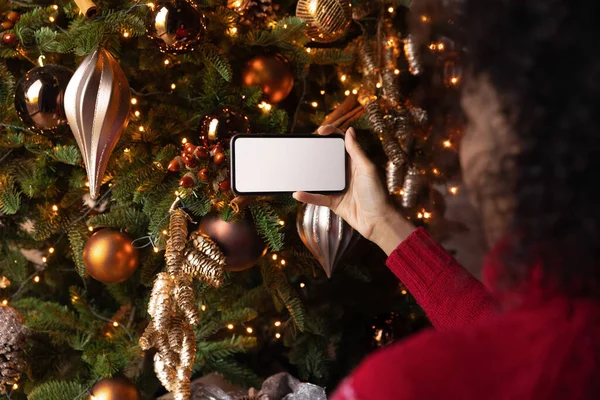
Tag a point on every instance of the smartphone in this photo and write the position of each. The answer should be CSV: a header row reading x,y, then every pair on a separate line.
x,y
281,164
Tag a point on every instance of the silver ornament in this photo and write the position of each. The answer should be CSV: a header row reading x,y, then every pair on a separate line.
x,y
97,108
326,235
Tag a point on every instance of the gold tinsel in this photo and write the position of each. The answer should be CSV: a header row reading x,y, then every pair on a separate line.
x,y
413,183
173,306
411,52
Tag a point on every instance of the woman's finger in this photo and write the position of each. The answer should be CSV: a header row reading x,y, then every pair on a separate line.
x,y
356,153
328,130
317,199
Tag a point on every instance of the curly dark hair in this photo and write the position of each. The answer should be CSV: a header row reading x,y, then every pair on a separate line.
x,y
541,57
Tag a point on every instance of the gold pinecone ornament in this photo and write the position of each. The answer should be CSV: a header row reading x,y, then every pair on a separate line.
x,y
13,339
173,305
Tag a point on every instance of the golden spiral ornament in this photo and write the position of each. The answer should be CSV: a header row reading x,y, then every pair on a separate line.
x,y
327,20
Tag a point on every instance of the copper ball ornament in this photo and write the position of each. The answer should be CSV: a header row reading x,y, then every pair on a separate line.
x,y
39,97
239,241
221,125
109,257
272,73
117,388
176,26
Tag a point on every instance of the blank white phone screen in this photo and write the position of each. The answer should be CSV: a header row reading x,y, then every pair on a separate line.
x,y
288,164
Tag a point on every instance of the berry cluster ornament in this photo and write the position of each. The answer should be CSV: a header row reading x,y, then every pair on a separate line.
x,y
109,257
239,241
176,26
203,164
97,108
10,19
10,39
272,73
39,97
221,125
116,388
13,338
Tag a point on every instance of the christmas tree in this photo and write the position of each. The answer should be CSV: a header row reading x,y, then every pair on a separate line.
x,y
124,253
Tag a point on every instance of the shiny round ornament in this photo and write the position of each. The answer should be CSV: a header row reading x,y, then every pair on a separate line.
x,y
117,388
6,25
13,16
221,125
10,39
272,73
177,26
39,97
328,20
109,257
239,241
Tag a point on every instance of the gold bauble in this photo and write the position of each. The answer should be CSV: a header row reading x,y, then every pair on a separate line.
x,y
118,388
327,20
109,257
272,73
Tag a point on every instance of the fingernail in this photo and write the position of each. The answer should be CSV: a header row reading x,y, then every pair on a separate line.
x,y
351,132
295,195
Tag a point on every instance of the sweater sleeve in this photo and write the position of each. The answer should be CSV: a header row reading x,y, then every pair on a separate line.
x,y
449,294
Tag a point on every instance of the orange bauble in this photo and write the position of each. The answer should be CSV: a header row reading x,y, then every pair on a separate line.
x,y
117,388
109,257
272,73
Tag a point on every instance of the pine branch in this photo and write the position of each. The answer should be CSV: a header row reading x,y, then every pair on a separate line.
x,y
224,348
243,314
267,225
66,154
58,390
330,57
122,217
277,284
77,241
234,372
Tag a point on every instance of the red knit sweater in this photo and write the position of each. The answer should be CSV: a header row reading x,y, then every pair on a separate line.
x,y
528,345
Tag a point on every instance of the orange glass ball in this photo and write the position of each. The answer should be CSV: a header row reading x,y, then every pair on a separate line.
x,y
272,73
117,388
109,257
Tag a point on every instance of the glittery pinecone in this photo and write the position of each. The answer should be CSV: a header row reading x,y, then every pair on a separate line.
x,y
13,339
257,12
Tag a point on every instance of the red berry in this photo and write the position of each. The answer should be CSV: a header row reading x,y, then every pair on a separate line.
x,y
224,185
203,174
189,148
6,25
219,158
13,16
174,164
187,181
216,149
10,39
201,152
189,161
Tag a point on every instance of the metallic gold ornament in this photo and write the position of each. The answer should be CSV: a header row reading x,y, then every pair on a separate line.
x,y
206,246
413,183
328,20
116,388
161,306
109,257
325,234
394,174
367,56
411,51
13,342
186,299
272,73
39,96
97,108
176,26
202,267
178,229
166,374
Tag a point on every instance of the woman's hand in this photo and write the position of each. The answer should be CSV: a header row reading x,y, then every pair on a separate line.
x,y
365,205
